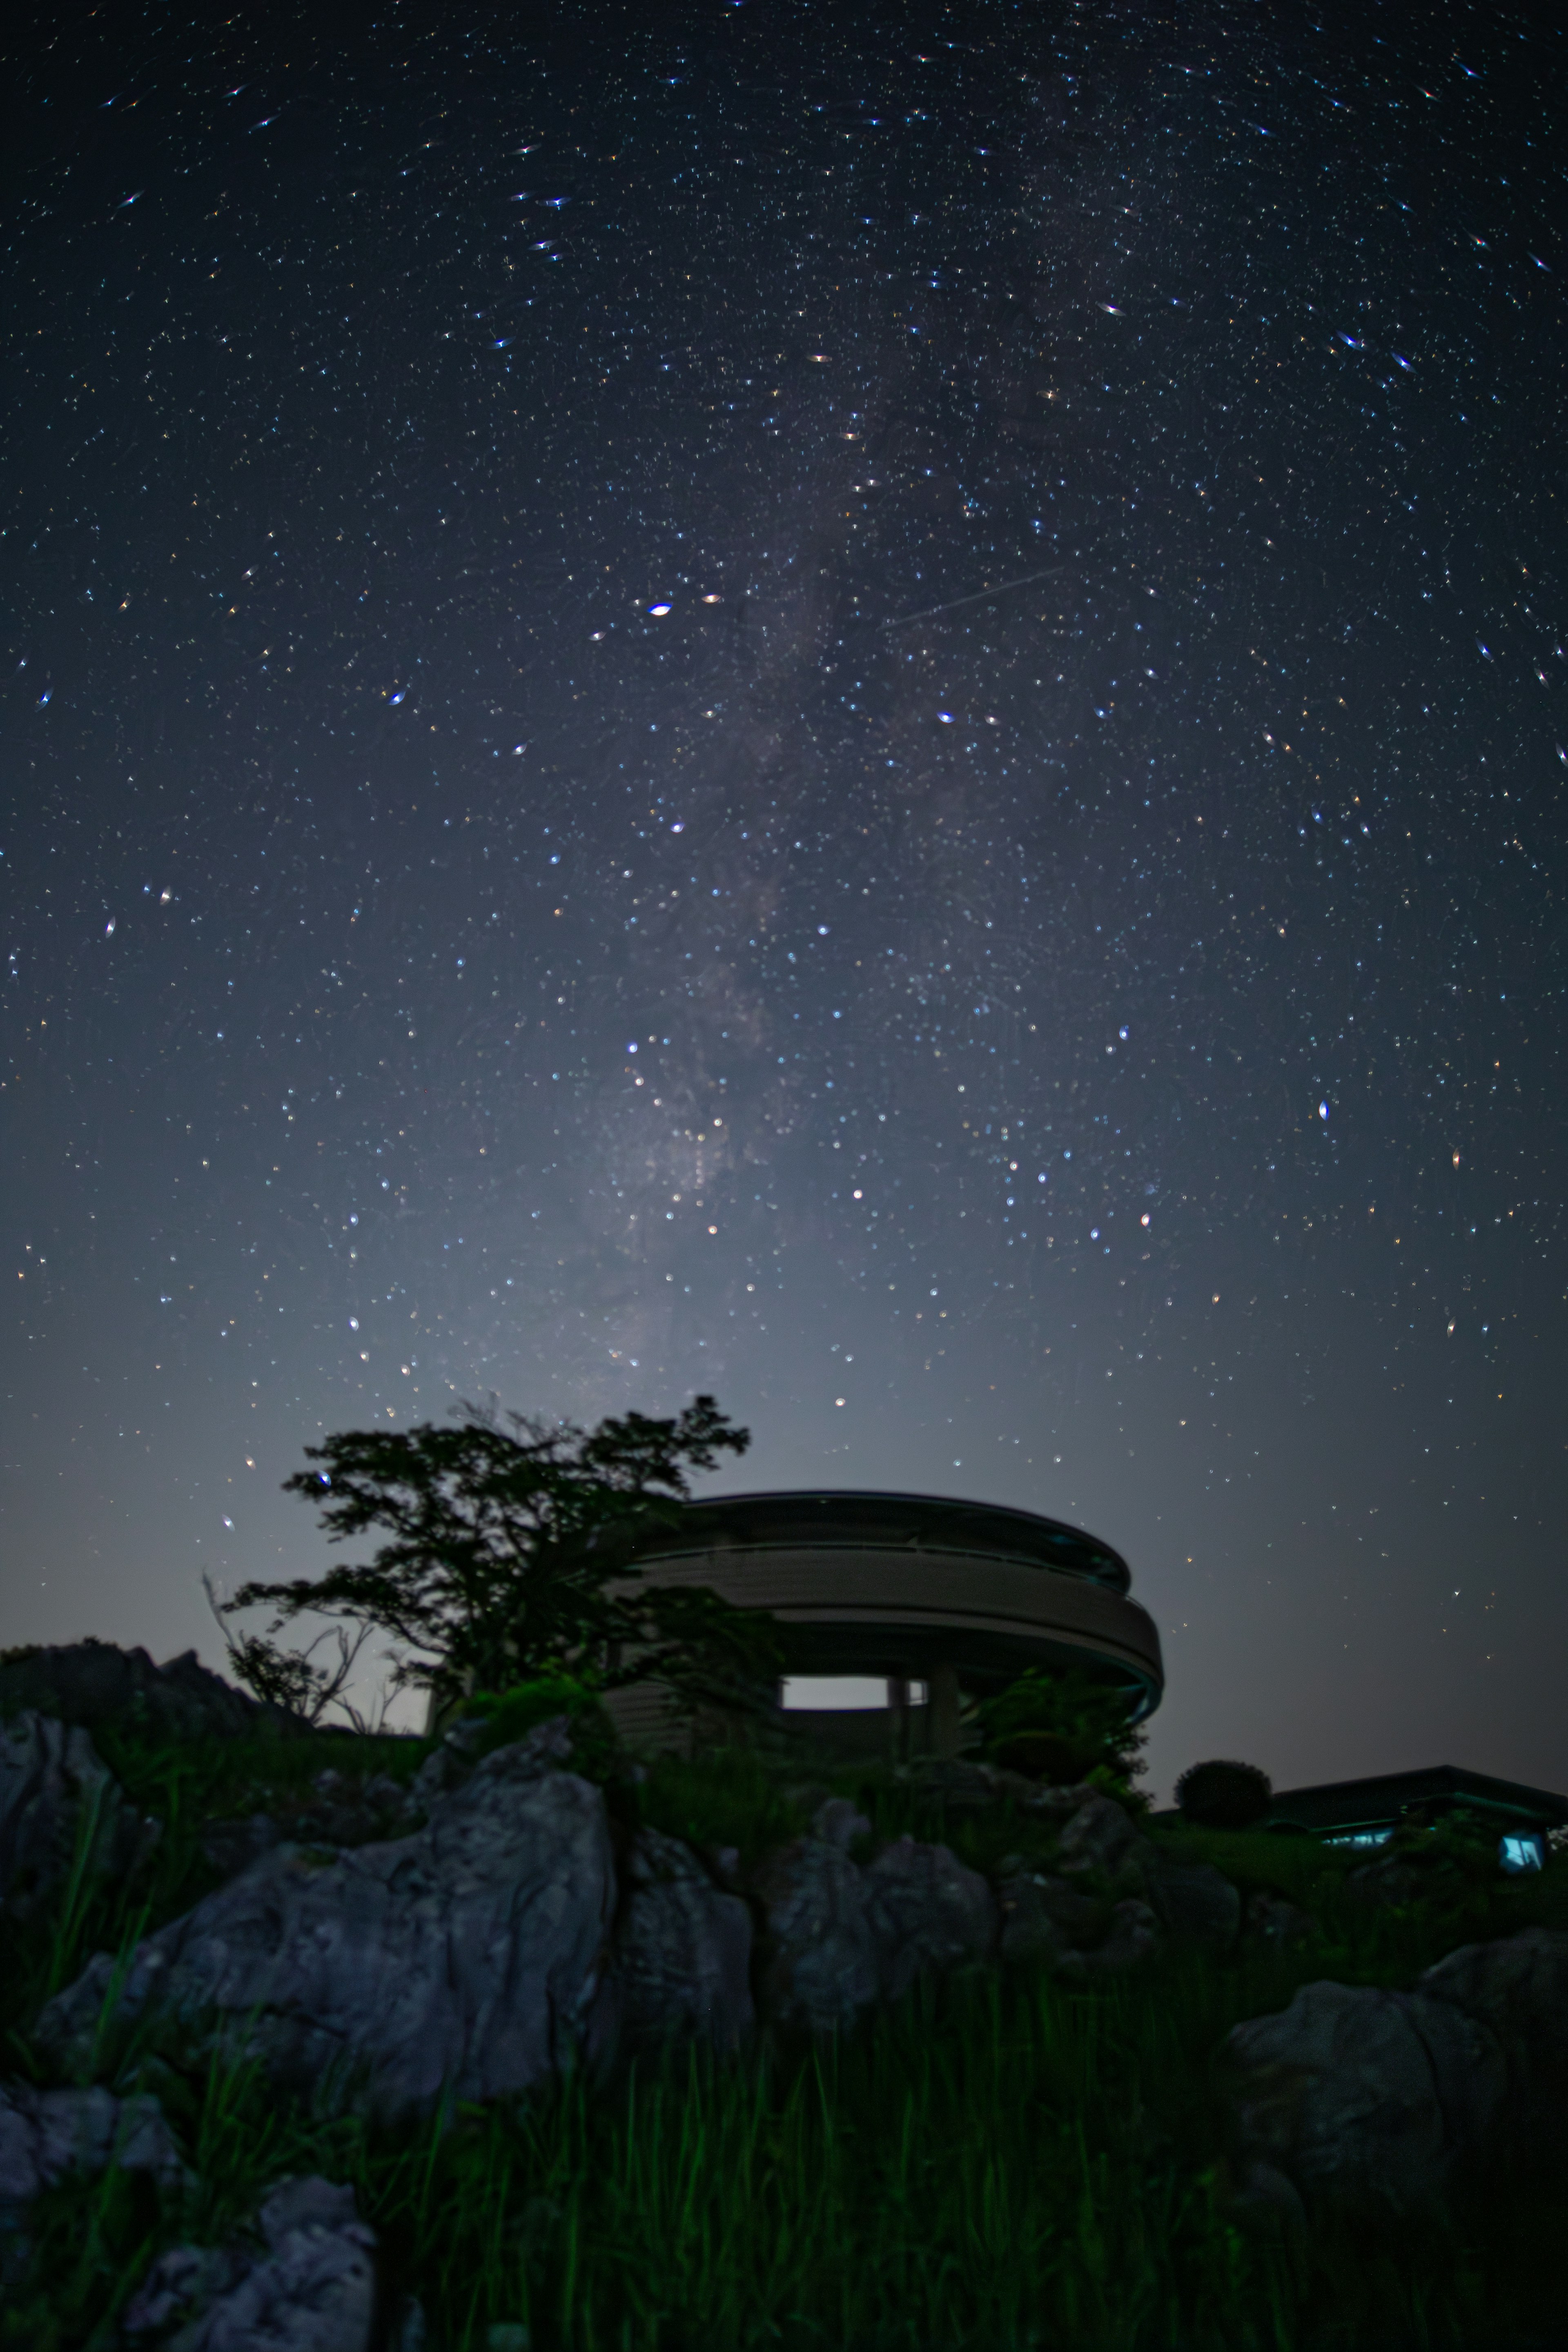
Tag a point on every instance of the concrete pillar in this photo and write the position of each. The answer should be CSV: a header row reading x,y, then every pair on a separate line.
x,y
942,1695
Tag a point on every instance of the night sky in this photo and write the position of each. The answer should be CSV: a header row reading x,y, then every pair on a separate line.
x,y
865,709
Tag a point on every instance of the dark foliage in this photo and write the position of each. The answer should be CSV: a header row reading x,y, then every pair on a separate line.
x,y
1222,1795
1061,1727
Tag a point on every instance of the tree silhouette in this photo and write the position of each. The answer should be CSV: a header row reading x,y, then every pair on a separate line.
x,y
510,1553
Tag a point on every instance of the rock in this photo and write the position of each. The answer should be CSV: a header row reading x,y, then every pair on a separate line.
x,y
1358,2094
54,1788
1063,1799
458,1960
231,1846
679,1967
821,1968
1194,1901
839,1823
89,1683
311,2287
1098,1837
927,1913
1270,1919
963,1785
1043,1915
1133,1934
1517,1989
44,2135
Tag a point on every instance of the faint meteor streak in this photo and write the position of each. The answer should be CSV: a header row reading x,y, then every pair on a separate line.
x,y
980,596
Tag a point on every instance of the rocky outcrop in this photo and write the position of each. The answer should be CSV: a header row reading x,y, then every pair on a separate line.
x,y
59,1804
89,1683
304,2280
46,2135
679,1965
840,1937
1356,2094
1192,1900
460,1959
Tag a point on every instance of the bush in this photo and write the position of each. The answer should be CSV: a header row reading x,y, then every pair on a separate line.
x,y
1061,1727
1222,1795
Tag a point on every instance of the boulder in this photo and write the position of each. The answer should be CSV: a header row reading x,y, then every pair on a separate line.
x,y
89,1683
821,1966
679,1965
55,1791
1042,1916
47,2135
1270,1919
1132,1935
309,2286
1357,2095
1193,1900
1516,1988
456,1961
928,1913
1098,1836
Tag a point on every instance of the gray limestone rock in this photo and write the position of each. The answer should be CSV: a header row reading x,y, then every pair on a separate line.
x,y
679,1965
458,1960
1098,1836
821,1968
839,1823
1517,1989
1043,1915
1356,2095
47,2135
55,1792
927,1912
310,2287
1194,1901
1133,1934
1270,1919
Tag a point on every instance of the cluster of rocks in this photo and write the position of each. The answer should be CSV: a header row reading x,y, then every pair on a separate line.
x,y
468,1936
1356,2094
85,1683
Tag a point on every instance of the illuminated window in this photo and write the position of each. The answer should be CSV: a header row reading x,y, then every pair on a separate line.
x,y
1524,1850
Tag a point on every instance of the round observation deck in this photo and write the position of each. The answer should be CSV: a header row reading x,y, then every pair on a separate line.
x,y
916,1588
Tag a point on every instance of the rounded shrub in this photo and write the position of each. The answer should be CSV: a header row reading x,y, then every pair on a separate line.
x,y
1222,1795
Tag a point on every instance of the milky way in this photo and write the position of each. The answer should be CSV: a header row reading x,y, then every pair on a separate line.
x,y
864,710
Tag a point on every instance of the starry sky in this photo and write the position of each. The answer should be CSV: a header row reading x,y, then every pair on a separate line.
x,y
863,708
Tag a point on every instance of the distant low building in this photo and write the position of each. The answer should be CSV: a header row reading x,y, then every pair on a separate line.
x,y
1367,1812
893,1608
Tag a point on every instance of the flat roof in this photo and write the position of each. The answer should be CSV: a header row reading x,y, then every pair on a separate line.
x,y
1379,1801
859,1519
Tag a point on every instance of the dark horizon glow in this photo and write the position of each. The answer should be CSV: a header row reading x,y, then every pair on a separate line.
x,y
864,710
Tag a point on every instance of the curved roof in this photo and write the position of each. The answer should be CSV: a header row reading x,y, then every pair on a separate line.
x,y
852,1518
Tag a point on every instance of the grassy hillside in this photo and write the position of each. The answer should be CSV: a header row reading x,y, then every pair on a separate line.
x,y
1006,2161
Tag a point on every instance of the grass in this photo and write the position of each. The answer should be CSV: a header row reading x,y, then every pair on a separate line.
x,y
1004,2161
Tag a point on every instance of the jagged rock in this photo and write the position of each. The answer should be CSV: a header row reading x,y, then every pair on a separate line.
x,y
231,1846
1043,1915
54,1788
1098,1836
44,2135
1133,1934
1061,1798
839,1938
839,1823
458,1960
1517,1989
927,1912
1359,2095
964,1786
1192,1899
310,2286
821,1969
679,1967
89,1683
1272,1920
